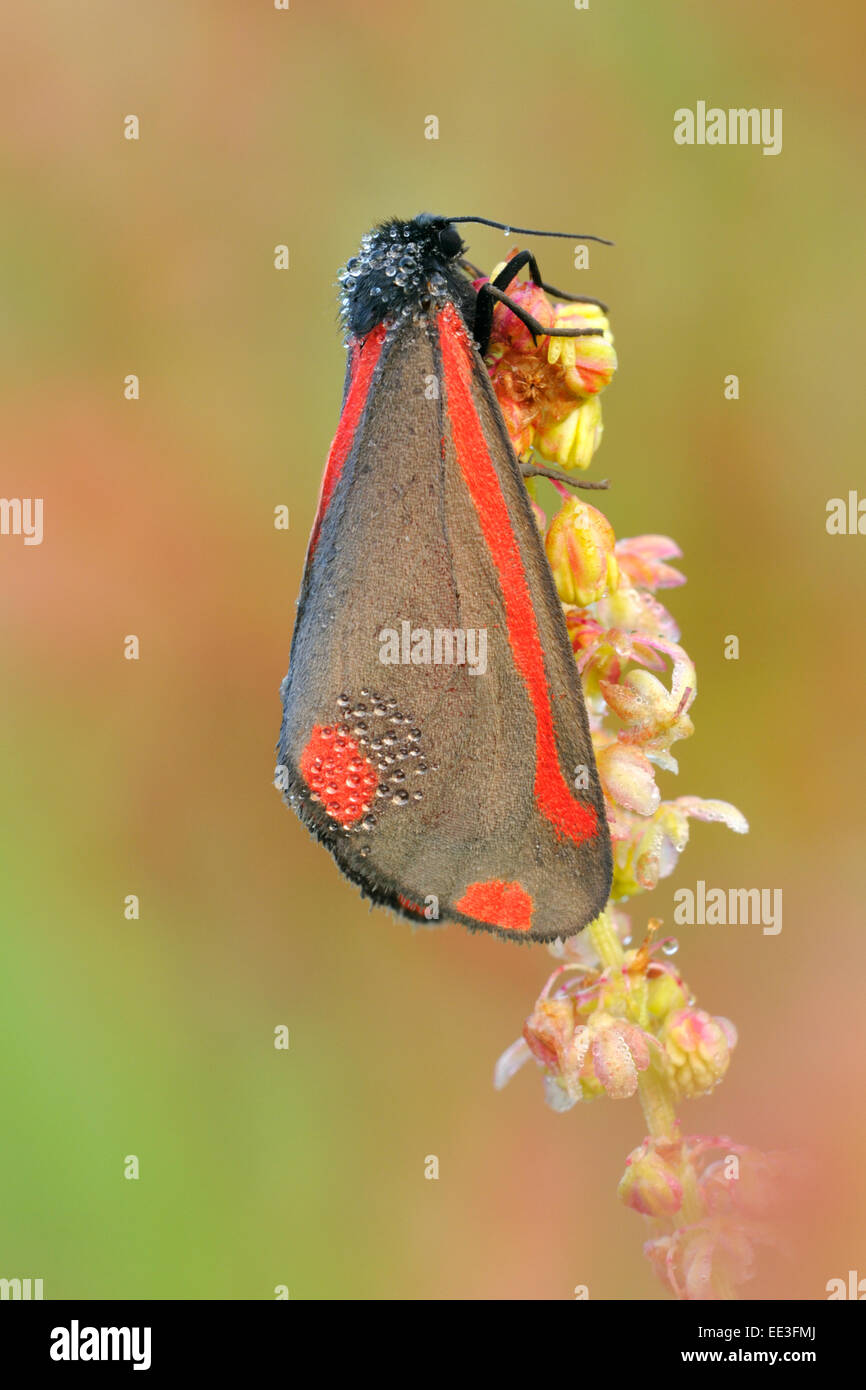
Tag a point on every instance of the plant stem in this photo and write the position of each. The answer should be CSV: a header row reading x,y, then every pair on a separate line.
x,y
608,946
658,1103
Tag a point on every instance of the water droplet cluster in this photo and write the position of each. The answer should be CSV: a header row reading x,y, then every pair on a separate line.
x,y
370,758
398,267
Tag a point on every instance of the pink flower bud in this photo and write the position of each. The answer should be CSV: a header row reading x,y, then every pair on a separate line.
x,y
748,1185
518,421
618,1051
642,559
628,778
650,1183
549,1031
589,362
557,1040
507,327
597,660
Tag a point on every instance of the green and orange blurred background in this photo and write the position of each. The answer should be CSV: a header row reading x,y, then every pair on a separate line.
x,y
306,1168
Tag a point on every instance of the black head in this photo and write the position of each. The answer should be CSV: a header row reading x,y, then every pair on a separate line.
x,y
400,266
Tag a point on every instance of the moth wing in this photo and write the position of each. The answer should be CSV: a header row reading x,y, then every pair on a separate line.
x,y
434,723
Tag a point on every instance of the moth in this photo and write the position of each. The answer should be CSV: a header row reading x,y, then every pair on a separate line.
x,y
434,734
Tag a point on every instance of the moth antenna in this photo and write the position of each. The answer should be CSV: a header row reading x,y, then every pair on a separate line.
x,y
528,231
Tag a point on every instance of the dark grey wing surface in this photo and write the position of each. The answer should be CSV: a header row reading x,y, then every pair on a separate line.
x,y
411,736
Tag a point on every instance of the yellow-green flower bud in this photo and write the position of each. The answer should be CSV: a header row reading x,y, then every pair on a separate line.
x,y
579,546
571,443
666,993
698,1049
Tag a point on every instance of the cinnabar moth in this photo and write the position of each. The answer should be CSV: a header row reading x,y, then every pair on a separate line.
x,y
445,791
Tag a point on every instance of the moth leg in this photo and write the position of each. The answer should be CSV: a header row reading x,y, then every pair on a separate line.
x,y
536,470
516,264
484,319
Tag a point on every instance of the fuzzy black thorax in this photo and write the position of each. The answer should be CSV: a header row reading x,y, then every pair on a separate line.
x,y
400,267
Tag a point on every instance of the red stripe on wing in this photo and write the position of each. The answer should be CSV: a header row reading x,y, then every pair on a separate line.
x,y
364,359
552,793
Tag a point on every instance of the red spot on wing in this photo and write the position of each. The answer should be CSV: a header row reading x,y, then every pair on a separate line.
x,y
410,906
364,359
552,793
338,774
506,905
